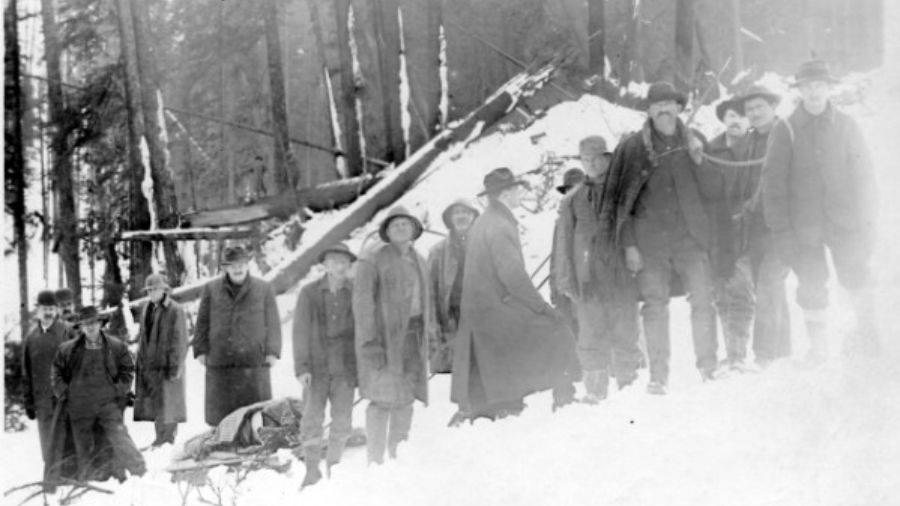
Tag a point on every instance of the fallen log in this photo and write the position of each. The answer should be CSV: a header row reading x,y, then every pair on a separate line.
x,y
324,197
188,234
392,185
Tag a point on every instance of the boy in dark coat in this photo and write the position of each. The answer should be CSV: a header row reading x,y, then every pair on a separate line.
x,y
237,338
393,314
159,382
91,378
38,352
325,358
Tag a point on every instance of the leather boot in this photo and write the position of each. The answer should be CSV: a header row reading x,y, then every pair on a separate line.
x,y
596,384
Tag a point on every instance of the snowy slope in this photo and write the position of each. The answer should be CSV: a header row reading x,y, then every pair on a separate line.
x,y
783,437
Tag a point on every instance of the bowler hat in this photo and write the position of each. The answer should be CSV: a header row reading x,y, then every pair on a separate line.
x,y
88,314
500,179
735,104
337,248
661,91
813,70
460,202
570,179
759,91
399,212
64,295
46,298
154,281
233,255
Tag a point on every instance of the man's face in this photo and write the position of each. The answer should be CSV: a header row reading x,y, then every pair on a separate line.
x,y
337,265
237,271
461,218
594,162
735,124
400,230
759,112
91,329
664,114
814,94
513,196
66,308
46,313
156,294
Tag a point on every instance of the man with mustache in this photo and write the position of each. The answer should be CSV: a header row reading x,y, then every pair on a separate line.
x,y
654,208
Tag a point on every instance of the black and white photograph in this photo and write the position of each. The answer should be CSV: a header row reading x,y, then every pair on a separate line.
x,y
451,252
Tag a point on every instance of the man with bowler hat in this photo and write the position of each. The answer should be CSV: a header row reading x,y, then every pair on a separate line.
x,y
162,346
325,358
237,337
511,342
820,192
65,301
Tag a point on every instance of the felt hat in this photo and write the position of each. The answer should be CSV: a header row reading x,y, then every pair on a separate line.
x,y
813,70
337,248
500,179
88,314
571,178
64,295
736,104
661,91
234,254
759,91
460,202
399,212
154,281
46,298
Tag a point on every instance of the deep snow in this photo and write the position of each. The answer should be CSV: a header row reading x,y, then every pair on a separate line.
x,y
782,437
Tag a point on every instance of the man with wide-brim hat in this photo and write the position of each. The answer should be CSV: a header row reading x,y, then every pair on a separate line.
x,y
654,207
820,192
571,178
446,265
511,342
38,350
237,337
162,347
325,358
393,315
91,378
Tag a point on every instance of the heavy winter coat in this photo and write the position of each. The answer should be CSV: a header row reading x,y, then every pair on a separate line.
x,y
236,333
116,358
520,344
446,261
818,179
314,351
38,353
381,312
159,379
577,229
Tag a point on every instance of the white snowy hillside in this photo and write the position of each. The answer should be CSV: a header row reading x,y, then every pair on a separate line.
x,y
785,436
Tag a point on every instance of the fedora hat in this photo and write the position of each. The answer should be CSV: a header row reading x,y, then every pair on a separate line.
x,y
88,314
460,202
661,91
233,255
500,179
340,248
813,70
154,281
759,91
399,212
570,179
735,104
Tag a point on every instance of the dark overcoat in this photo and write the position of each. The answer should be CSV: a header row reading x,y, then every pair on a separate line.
x,y
237,328
38,353
818,178
445,261
381,312
314,352
520,344
159,379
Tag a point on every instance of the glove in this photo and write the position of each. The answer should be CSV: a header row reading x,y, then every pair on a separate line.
x,y
29,412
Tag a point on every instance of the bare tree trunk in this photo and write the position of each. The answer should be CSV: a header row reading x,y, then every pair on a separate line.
x,y
154,133
286,172
738,36
387,30
684,44
14,156
597,30
67,222
421,37
631,67
140,265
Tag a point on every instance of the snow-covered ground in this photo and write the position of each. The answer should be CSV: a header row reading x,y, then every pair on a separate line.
x,y
786,436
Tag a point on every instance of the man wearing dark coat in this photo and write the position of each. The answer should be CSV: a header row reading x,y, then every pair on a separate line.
x,y
563,304
237,337
325,358
91,379
820,192
38,352
65,302
511,342
610,327
654,206
393,314
162,346
446,265
772,320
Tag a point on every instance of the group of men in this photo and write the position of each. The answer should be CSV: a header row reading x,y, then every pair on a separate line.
x,y
665,214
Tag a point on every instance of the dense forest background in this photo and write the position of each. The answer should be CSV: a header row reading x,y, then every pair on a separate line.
x,y
218,102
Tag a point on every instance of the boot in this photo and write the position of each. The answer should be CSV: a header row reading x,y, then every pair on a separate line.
x,y
313,474
563,395
816,329
596,383
333,455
